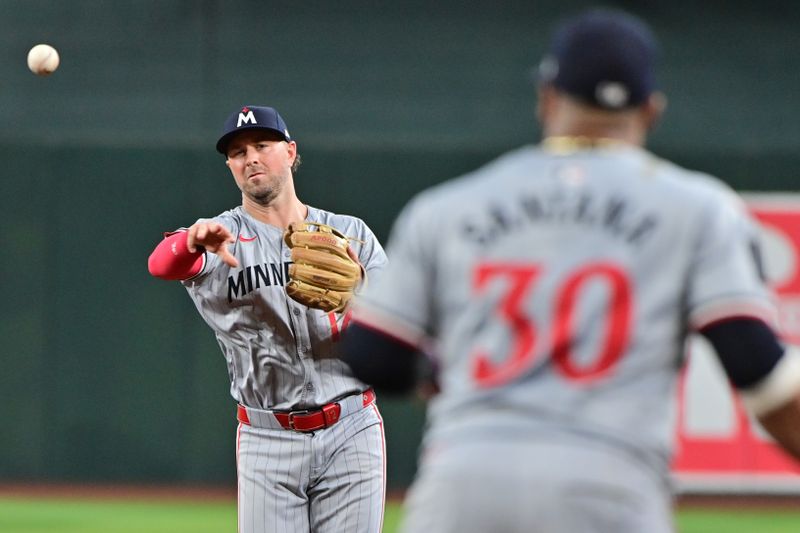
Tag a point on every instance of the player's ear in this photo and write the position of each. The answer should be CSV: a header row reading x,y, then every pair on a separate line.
x,y
654,108
227,162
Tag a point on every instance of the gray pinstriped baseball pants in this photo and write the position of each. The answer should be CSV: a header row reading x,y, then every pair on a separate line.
x,y
328,481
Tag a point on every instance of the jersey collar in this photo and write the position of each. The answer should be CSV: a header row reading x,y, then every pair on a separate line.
x,y
565,144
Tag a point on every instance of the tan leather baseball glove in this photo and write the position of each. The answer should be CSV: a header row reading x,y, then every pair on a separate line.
x,y
323,274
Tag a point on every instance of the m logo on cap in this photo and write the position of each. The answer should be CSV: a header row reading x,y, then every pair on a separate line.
x,y
248,118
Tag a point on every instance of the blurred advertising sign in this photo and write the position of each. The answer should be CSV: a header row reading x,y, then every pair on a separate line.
x,y
719,447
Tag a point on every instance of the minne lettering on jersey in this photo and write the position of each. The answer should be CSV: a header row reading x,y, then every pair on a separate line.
x,y
251,278
612,214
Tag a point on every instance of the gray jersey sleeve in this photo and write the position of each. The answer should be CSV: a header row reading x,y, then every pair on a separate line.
x,y
404,307
725,278
369,250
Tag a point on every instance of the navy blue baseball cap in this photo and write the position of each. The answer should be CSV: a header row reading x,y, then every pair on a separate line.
x,y
251,117
603,57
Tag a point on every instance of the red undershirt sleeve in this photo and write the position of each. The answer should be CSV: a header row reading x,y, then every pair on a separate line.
x,y
172,259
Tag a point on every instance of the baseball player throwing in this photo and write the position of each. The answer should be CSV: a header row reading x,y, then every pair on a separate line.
x,y
310,442
553,289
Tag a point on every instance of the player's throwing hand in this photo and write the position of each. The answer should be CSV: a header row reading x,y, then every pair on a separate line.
x,y
214,237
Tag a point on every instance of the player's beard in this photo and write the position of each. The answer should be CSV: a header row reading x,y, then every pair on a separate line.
x,y
265,191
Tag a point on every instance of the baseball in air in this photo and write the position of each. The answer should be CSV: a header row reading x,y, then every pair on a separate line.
x,y
43,59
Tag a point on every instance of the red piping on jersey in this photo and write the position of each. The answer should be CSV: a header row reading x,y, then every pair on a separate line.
x,y
238,481
383,457
335,334
724,319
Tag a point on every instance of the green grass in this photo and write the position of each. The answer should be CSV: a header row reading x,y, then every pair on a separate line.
x,y
98,516
738,521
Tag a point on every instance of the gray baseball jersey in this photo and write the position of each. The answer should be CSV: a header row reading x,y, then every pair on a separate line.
x,y
279,355
279,352
554,288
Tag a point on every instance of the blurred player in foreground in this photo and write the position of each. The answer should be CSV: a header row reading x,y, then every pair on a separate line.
x,y
553,289
310,444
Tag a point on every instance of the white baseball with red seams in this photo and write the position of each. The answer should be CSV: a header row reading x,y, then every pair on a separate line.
x,y
43,59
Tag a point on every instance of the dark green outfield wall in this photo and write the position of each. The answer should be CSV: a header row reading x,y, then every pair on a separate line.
x,y
109,375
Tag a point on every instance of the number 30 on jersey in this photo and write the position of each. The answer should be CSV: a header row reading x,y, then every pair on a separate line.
x,y
521,281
